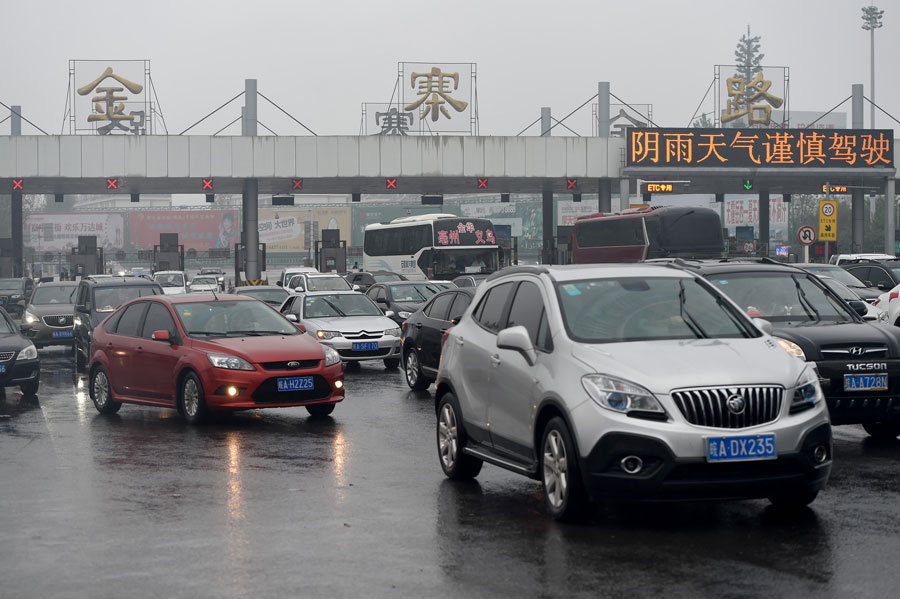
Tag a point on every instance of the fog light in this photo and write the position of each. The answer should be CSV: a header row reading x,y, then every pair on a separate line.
x,y
632,464
820,454
232,391
339,384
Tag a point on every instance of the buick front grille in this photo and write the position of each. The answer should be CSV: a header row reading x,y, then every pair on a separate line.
x,y
6,356
59,321
729,407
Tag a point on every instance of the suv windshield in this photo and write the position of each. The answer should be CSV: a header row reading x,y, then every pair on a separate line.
x,y
271,296
232,319
107,299
338,306
836,272
11,284
413,292
782,296
170,280
638,309
327,284
58,294
205,281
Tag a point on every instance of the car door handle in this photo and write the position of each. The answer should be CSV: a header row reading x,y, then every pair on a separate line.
x,y
459,341
495,360
443,330
418,325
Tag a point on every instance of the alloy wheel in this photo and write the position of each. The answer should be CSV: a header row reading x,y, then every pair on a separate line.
x,y
448,436
101,388
412,368
556,477
191,396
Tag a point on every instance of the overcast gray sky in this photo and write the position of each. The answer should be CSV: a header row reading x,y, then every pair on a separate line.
x,y
320,59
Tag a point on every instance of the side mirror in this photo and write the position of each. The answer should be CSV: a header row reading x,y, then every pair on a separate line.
x,y
161,335
859,306
381,300
300,327
278,283
356,288
24,328
389,313
867,283
291,317
455,321
82,308
764,325
517,339
884,286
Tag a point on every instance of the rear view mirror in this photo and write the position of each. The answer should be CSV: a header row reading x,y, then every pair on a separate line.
x,y
161,335
300,327
389,313
24,327
356,288
82,308
517,339
859,306
291,317
763,325
278,283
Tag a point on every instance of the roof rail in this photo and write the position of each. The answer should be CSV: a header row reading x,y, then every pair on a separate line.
x,y
518,270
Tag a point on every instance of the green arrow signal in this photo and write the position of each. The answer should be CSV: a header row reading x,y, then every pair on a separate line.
x,y
748,184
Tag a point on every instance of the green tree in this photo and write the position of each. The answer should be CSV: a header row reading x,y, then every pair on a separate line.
x,y
703,122
747,56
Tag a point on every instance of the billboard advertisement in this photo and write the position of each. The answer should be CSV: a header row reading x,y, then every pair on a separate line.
x,y
284,229
59,231
197,229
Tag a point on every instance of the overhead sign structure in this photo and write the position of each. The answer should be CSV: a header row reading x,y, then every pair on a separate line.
x,y
754,148
665,187
827,220
806,235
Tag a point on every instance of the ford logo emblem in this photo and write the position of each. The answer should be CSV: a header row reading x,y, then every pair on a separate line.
x,y
293,364
735,404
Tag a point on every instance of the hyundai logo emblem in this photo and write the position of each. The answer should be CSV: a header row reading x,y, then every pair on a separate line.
x,y
857,351
293,364
735,404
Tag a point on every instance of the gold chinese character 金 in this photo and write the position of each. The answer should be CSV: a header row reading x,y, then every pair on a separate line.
x,y
434,92
105,104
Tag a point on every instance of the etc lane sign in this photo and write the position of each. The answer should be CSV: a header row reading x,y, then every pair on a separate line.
x,y
827,220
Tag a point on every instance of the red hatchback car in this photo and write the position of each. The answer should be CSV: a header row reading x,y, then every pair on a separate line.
x,y
202,354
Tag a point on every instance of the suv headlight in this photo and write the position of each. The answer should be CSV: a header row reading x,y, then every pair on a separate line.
x,y
331,356
327,334
29,353
883,317
392,332
30,318
619,395
809,391
791,348
404,314
229,362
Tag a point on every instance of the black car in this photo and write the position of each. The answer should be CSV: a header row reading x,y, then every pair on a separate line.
x,y
858,362
844,276
399,300
422,334
49,314
879,274
364,280
97,298
14,294
19,361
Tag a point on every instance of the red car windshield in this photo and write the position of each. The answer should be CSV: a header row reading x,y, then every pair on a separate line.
x,y
232,319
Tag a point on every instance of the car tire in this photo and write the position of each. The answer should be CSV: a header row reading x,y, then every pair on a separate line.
x,y
192,400
79,359
320,410
415,378
30,388
392,363
564,492
101,392
796,500
451,439
883,431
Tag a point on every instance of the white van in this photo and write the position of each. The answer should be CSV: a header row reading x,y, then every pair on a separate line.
x,y
173,282
844,258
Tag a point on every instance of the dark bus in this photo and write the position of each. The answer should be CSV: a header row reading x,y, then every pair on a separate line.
x,y
639,234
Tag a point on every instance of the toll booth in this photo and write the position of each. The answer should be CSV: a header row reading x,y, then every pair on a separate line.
x,y
564,243
240,269
168,255
87,258
331,252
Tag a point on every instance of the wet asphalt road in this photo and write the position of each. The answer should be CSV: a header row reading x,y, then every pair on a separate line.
x,y
274,504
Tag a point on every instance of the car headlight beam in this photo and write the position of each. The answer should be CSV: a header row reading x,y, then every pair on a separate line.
x,y
320,334
30,318
791,348
229,362
331,356
29,353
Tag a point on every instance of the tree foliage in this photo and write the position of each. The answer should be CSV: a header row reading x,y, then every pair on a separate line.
x,y
747,56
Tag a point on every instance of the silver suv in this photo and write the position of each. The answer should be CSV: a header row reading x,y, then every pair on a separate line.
x,y
627,382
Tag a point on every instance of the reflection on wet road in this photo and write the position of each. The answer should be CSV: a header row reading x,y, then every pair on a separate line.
x,y
275,504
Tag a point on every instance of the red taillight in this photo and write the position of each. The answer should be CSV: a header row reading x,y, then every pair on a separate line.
x,y
444,337
402,327
894,295
876,302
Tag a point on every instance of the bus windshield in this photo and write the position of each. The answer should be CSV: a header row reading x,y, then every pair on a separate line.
x,y
449,264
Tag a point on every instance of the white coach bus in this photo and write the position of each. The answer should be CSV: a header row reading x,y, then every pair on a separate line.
x,y
436,246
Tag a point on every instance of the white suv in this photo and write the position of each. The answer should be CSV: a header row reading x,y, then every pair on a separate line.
x,y
629,382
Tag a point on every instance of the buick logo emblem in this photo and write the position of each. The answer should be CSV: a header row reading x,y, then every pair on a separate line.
x,y
857,351
62,320
293,364
735,404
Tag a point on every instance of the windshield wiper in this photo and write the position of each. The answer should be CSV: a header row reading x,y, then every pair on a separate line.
x,y
207,333
804,300
333,307
686,317
256,333
424,299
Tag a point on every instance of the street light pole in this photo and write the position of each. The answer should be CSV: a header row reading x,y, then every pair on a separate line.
x,y
871,21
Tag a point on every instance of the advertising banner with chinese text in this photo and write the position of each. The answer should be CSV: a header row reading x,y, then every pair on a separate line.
x,y
440,95
284,229
745,211
197,229
59,231
753,148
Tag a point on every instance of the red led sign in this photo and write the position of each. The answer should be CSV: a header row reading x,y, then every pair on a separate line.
x,y
298,183
112,183
390,183
482,183
571,183
207,184
17,184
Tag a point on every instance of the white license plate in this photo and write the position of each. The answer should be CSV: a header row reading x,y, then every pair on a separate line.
x,y
296,383
740,449
865,382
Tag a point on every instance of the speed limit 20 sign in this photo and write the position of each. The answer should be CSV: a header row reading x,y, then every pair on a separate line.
x,y
806,235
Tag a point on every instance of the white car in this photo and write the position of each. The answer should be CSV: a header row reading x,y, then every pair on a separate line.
x,y
204,284
173,282
313,281
290,271
873,312
889,302
348,322
844,258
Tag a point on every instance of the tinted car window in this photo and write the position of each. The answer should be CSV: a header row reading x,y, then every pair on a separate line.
x,y
544,340
860,272
490,312
879,276
460,304
527,309
131,319
112,322
158,319
440,307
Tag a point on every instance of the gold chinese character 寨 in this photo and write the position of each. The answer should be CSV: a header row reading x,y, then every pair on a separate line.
x,y
434,92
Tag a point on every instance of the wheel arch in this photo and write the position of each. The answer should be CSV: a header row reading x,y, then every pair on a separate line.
x,y
549,409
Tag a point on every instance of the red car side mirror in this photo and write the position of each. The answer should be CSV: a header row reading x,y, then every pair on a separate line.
x,y
300,327
161,336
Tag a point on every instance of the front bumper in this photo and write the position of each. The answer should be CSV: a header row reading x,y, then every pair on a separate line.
x,y
388,347
666,477
259,388
40,334
857,407
19,371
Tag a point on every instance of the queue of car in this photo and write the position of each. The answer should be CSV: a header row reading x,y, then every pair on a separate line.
x,y
676,380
